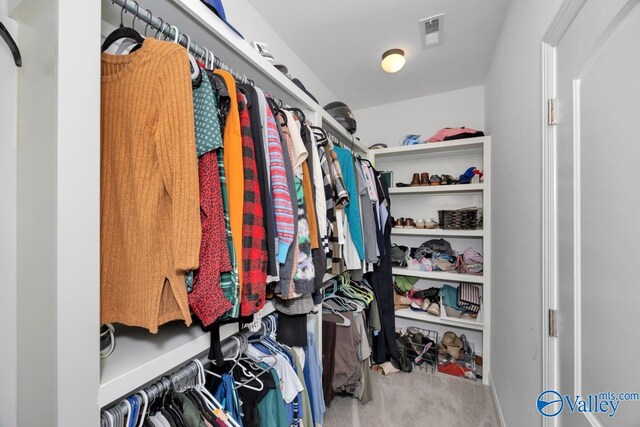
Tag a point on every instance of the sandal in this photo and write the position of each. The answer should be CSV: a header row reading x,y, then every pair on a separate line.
x,y
399,223
409,223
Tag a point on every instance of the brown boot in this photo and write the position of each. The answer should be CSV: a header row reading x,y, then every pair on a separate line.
x,y
415,181
424,179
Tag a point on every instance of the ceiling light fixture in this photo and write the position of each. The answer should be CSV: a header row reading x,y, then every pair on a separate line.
x,y
393,60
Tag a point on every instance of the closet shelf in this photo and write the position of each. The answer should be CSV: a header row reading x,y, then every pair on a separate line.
x,y
201,14
434,149
423,316
439,275
436,232
140,357
438,189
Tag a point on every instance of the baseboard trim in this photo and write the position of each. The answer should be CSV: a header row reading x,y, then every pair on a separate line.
x,y
495,398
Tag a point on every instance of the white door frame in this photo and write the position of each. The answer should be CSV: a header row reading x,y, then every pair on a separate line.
x,y
558,27
550,356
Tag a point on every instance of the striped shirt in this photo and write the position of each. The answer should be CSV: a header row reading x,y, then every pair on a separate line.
x,y
282,203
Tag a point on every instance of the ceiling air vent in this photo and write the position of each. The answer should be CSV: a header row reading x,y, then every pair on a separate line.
x,y
431,30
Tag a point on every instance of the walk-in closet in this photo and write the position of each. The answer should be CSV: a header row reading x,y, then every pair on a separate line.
x,y
251,213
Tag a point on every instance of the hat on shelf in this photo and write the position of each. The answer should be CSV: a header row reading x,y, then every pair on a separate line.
x,y
217,8
263,49
298,83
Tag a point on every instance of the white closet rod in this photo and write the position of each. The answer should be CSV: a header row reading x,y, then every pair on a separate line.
x,y
167,382
168,31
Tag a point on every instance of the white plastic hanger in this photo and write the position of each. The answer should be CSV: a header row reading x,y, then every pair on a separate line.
x,y
346,322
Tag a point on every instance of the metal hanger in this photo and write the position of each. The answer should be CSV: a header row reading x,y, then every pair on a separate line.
x,y
13,47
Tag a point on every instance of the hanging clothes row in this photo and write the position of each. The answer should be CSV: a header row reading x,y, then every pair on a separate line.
x,y
211,190
180,399
259,382
349,316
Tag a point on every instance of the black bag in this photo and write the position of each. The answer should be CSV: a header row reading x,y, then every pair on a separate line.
x,y
431,294
398,256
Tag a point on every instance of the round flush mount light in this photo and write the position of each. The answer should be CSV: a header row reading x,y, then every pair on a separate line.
x,y
393,60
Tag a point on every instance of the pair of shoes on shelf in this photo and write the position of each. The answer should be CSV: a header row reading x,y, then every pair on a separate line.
x,y
428,223
472,176
422,300
404,223
420,179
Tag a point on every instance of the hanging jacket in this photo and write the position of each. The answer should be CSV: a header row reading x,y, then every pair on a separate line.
x,y
266,198
254,242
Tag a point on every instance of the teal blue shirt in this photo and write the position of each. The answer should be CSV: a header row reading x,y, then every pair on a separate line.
x,y
353,207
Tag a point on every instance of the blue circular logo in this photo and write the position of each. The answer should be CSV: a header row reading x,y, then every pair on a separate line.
x,y
550,403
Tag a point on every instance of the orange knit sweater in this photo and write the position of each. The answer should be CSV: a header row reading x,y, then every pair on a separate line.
x,y
150,210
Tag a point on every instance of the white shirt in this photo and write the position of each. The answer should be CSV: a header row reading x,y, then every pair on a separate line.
x,y
290,384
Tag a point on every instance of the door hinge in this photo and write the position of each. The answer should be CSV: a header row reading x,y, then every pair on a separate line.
x,y
553,324
552,113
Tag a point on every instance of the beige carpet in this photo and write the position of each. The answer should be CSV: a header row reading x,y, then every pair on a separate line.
x,y
417,399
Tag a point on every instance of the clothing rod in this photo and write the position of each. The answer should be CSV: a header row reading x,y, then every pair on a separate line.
x,y
167,30
190,370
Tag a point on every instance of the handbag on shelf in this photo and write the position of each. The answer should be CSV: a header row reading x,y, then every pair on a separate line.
x,y
469,297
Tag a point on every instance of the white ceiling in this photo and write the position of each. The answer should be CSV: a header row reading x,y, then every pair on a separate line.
x,y
342,41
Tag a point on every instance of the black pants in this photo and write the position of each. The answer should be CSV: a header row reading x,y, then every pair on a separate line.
x,y
383,345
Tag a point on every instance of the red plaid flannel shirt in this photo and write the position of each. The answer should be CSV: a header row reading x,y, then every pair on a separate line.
x,y
254,241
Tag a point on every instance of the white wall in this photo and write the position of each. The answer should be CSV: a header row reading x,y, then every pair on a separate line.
x,y
8,224
513,106
424,115
244,17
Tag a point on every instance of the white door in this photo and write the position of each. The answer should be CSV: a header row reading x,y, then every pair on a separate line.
x,y
598,208
8,209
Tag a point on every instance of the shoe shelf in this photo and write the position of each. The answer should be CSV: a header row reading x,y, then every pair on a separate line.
x,y
438,275
436,232
438,189
441,157
434,149
140,357
423,316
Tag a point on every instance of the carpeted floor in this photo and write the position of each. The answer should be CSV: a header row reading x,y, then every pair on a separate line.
x,y
417,399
